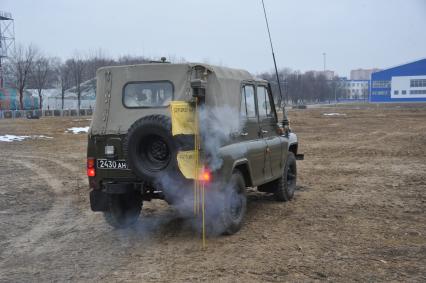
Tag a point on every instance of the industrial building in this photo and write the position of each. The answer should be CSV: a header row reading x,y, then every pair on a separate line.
x,y
403,83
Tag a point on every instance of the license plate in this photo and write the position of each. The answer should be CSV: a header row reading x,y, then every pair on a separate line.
x,y
111,164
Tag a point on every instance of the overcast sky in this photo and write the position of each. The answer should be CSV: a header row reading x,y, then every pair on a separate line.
x,y
353,33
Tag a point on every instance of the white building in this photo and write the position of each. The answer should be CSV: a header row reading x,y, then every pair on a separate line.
x,y
354,89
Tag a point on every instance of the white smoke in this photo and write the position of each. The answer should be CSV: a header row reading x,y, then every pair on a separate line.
x,y
217,126
180,194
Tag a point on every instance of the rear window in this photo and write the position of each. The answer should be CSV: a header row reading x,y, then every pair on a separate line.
x,y
147,94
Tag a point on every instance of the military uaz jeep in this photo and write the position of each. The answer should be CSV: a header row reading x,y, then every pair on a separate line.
x,y
132,154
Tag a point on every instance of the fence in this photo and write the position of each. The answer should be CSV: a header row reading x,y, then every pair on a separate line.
x,y
51,103
15,114
9,100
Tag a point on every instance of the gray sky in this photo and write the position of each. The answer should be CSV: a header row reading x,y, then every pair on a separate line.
x,y
353,33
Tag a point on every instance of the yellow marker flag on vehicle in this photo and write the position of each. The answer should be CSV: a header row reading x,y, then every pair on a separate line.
x,y
183,118
187,163
183,123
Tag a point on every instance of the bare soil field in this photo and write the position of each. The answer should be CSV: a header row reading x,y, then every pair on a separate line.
x,y
359,213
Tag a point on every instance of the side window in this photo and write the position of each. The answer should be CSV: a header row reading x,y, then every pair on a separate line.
x,y
263,102
248,105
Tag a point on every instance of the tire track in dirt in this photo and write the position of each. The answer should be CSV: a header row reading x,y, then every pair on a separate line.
x,y
54,235
57,214
68,166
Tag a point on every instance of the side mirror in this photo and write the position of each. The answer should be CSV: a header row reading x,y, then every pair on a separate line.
x,y
285,122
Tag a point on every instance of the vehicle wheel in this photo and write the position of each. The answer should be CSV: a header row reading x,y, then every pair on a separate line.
x,y
286,185
123,209
235,204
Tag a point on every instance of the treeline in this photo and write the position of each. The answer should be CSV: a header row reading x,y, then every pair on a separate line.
x,y
302,88
29,68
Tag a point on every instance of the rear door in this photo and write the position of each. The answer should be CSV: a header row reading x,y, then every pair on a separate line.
x,y
269,132
250,134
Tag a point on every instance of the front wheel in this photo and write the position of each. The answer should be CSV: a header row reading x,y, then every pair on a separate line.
x,y
285,186
123,209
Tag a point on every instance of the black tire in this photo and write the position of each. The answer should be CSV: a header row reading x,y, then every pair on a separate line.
x,y
123,209
150,148
235,204
285,186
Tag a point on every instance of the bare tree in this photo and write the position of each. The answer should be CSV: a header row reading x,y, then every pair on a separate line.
x,y
77,67
95,60
19,66
62,76
40,76
130,60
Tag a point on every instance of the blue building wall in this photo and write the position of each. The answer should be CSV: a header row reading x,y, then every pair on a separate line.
x,y
417,68
9,100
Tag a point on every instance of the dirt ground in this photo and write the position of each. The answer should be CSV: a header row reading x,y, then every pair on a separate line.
x,y
358,215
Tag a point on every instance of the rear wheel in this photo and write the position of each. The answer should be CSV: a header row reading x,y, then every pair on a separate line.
x,y
123,209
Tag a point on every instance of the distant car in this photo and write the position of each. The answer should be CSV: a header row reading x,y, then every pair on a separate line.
x,y
300,106
131,149
32,115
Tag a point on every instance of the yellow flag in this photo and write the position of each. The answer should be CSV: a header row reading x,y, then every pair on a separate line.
x,y
182,114
183,123
186,162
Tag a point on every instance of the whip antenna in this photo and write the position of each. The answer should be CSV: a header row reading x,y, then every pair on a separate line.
x,y
273,55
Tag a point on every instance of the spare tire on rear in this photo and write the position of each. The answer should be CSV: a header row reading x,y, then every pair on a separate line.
x,y
151,149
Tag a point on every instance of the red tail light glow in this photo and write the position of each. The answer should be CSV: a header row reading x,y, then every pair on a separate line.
x,y
205,176
91,170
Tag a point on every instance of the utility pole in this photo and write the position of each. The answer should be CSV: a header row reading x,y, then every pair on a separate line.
x,y
324,55
335,96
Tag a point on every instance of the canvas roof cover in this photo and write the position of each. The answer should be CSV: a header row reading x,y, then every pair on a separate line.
x,y
112,117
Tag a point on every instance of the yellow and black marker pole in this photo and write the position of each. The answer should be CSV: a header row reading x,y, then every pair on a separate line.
x,y
185,121
199,188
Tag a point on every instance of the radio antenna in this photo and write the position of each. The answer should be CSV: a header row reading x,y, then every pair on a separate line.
x,y
273,56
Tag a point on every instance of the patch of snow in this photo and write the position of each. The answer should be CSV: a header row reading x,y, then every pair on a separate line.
x,y
50,92
42,137
334,114
79,120
12,138
77,130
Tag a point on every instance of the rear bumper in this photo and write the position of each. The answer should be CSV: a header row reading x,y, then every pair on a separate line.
x,y
99,198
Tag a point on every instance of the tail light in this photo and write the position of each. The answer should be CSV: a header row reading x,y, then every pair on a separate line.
x,y
91,170
205,176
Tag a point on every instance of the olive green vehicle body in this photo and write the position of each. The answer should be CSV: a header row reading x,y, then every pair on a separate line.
x,y
258,149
